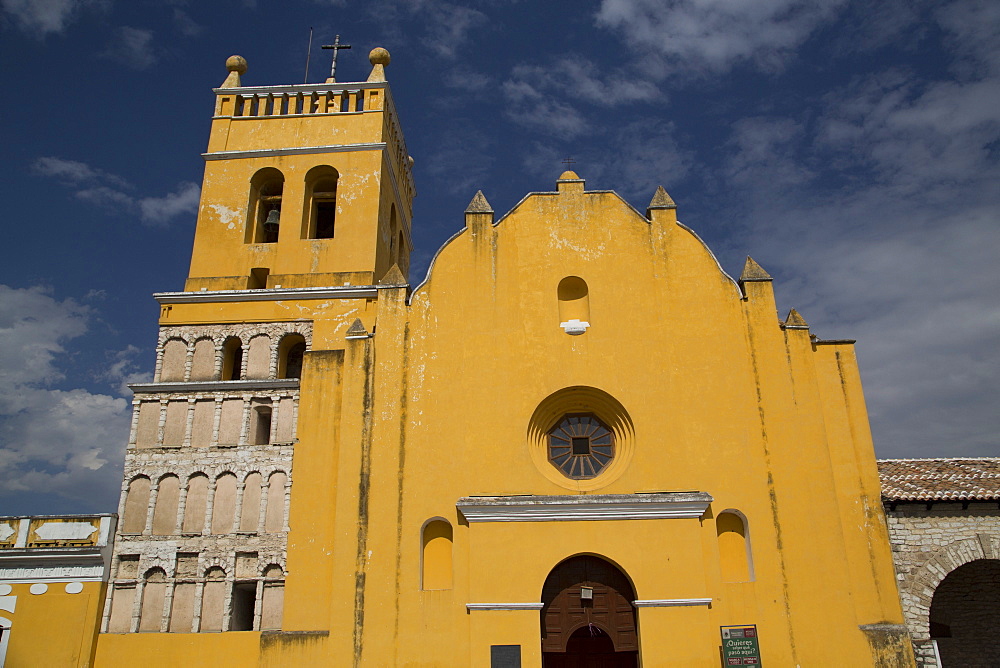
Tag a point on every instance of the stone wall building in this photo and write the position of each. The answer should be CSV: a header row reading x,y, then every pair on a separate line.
x,y
944,526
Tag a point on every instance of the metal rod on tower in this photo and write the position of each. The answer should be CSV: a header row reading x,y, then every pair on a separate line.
x,y
308,53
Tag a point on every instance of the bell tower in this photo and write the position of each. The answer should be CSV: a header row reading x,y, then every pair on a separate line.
x,y
305,186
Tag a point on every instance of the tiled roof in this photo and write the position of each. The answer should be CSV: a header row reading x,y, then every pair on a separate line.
x,y
972,479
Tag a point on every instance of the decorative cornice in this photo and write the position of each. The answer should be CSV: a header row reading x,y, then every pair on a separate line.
x,y
216,386
671,602
293,150
581,508
267,295
504,606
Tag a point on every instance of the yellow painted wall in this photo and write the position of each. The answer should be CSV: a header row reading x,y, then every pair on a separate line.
x,y
437,405
54,628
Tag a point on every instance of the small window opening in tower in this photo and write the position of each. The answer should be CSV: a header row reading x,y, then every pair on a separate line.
x,y
258,278
262,426
244,600
324,208
293,363
232,359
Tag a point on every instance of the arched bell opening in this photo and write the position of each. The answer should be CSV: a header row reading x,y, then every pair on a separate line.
x,y
588,618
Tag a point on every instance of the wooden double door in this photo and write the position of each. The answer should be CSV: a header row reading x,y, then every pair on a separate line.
x,y
588,620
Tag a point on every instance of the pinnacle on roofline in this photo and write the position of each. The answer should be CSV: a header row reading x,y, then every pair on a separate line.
x,y
236,65
357,329
479,204
393,277
661,200
795,321
753,272
379,58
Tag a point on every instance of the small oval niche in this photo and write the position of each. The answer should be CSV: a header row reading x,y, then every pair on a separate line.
x,y
574,301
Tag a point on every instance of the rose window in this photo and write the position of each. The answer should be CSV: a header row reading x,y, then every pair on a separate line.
x,y
580,446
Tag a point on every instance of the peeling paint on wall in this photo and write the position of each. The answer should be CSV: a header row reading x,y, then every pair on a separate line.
x,y
227,216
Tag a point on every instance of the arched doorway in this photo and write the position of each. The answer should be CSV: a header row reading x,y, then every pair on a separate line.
x,y
965,613
588,620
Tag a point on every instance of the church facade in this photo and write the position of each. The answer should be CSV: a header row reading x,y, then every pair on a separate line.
x,y
578,442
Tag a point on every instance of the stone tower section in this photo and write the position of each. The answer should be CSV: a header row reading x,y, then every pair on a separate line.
x,y
305,207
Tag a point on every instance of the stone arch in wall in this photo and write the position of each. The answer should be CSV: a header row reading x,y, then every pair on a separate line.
x,y
274,516
272,605
174,360
965,612
588,618
153,593
203,360
917,589
165,512
259,357
136,505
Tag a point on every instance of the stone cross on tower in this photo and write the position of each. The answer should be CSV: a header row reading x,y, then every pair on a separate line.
x,y
336,46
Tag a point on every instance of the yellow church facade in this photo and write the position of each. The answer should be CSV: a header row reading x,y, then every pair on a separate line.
x,y
578,442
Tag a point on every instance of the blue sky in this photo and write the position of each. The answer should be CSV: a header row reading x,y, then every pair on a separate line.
x,y
850,147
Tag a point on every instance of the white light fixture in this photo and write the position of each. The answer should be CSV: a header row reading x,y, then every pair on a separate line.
x,y
574,326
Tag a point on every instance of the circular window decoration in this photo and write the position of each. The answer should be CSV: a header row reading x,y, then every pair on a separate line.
x,y
580,445
606,436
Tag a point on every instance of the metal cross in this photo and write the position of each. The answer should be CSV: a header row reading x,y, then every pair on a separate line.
x,y
336,46
568,162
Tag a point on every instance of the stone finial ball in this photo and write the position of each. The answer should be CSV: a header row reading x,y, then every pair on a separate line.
x,y
236,64
378,56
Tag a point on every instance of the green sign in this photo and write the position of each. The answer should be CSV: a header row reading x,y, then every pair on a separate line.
x,y
739,645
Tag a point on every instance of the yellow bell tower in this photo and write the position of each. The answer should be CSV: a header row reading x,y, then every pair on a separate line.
x,y
305,186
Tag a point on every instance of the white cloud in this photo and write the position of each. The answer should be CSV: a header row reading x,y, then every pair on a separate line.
x,y
161,210
767,145
132,47
42,17
531,107
556,98
884,214
973,28
878,217
33,327
580,78
123,370
63,442
101,188
76,173
715,35
467,80
917,135
451,25
185,24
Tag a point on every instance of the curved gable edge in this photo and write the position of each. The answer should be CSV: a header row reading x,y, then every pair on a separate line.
x,y
708,250
430,267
